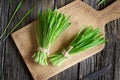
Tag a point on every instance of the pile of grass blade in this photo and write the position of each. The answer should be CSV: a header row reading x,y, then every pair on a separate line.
x,y
50,25
85,39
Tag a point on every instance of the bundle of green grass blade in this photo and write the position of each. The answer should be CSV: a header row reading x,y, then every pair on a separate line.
x,y
86,38
50,25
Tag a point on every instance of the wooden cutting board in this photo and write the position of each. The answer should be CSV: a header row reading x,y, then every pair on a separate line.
x,y
81,14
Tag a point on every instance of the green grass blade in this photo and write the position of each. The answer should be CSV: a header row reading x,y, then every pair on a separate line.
x,y
16,10
101,2
19,22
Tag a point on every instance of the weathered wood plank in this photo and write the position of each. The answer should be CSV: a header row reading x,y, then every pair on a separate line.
x,y
105,57
13,66
117,50
3,20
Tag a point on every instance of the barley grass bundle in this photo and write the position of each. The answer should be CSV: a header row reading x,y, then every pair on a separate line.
x,y
85,39
50,25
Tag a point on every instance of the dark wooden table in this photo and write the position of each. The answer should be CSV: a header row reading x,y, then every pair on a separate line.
x,y
12,66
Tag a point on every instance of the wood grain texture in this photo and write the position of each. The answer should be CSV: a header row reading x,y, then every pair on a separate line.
x,y
3,21
13,67
108,55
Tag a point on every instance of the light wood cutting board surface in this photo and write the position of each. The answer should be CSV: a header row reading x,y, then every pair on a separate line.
x,y
81,14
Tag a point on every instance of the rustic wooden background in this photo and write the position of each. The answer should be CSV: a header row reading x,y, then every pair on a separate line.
x,y
12,66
